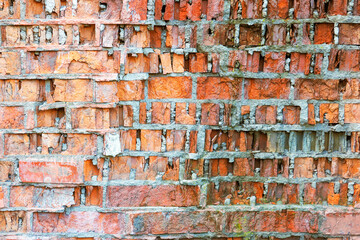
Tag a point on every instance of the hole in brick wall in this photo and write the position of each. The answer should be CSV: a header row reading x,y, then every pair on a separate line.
x,y
204,7
348,143
326,6
312,136
11,7
326,141
103,7
280,167
176,10
342,85
299,140
291,4
261,63
38,143
146,164
338,139
87,33
163,9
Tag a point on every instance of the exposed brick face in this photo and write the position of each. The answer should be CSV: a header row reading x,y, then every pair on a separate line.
x,y
179,119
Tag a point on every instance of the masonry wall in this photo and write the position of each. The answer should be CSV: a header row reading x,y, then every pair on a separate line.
x,y
179,119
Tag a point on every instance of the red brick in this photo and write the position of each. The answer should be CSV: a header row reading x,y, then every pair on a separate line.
x,y
304,168
218,88
340,223
302,9
137,64
151,140
344,60
220,167
22,90
183,116
250,35
300,63
243,167
291,115
274,62
175,140
272,221
336,7
130,90
160,112
352,89
79,222
278,9
134,11
193,141
93,196
210,114
121,167
90,118
14,222
37,197
176,222
265,115
73,62
50,172
285,193
324,33
198,62
317,89
175,37
7,171
162,195
318,63
10,63
194,168
330,112
218,35
352,112
234,192
12,117
73,90
4,200
275,35
267,88
5,12
51,118
93,172
170,87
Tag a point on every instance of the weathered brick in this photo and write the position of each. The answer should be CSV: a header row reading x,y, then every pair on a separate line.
x,y
37,197
267,88
317,89
170,87
176,222
51,172
269,221
352,112
218,88
153,196
79,222
265,115
10,63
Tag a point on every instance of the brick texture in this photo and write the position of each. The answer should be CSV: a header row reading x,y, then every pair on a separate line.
x,y
179,119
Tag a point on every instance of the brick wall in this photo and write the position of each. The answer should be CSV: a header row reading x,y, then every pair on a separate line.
x,y
179,119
